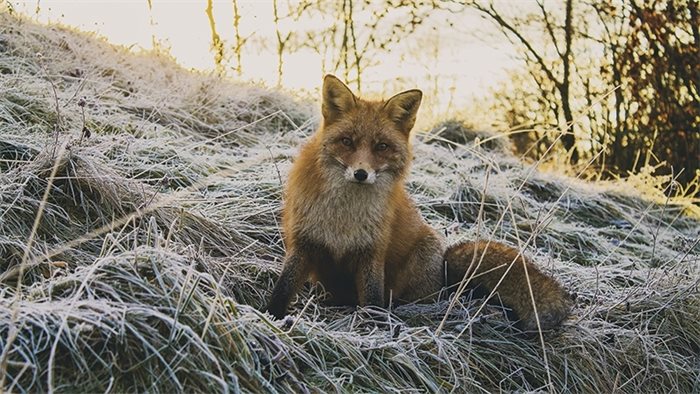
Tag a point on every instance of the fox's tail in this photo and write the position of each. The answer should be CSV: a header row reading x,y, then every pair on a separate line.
x,y
491,265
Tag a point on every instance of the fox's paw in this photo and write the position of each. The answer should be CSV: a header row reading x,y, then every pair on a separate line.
x,y
278,311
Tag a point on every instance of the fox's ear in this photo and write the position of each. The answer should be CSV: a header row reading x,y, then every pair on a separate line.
x,y
337,99
402,109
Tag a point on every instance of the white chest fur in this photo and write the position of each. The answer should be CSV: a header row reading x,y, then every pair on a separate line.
x,y
346,217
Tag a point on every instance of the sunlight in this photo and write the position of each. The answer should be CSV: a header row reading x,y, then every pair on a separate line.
x,y
452,66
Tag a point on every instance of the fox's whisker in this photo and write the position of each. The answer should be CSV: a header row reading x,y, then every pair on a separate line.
x,y
339,160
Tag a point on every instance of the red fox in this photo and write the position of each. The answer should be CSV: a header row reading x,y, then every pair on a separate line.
x,y
349,223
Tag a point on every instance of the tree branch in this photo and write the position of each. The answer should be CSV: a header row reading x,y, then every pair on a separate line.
x,y
493,14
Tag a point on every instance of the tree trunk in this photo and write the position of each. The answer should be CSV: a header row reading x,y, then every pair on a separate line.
x,y
569,139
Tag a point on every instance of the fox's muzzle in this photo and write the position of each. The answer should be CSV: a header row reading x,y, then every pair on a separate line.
x,y
360,175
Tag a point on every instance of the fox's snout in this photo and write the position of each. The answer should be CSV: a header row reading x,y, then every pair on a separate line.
x,y
360,174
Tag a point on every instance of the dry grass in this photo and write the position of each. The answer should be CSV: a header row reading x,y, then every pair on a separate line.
x,y
158,239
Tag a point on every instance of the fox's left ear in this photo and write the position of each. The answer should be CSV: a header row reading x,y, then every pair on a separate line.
x,y
402,109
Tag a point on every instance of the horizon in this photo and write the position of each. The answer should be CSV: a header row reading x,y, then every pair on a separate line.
x,y
451,85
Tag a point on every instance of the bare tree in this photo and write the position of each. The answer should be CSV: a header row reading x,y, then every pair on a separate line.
x,y
240,41
355,34
282,41
633,86
216,44
556,73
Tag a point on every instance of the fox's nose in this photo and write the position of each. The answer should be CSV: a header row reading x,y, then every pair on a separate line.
x,y
360,175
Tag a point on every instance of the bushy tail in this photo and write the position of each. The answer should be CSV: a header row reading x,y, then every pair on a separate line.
x,y
487,263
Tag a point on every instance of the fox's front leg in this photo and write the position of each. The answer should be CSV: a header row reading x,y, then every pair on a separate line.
x,y
293,276
370,283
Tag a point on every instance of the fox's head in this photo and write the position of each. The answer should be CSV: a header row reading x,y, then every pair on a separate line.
x,y
366,142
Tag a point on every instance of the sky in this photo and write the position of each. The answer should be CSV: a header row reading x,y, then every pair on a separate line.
x,y
465,63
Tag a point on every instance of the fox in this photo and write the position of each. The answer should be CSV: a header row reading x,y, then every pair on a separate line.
x,y
349,223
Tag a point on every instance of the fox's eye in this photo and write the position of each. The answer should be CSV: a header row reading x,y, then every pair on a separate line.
x,y
381,146
346,141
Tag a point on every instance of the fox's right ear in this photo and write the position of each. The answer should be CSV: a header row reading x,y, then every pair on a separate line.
x,y
337,99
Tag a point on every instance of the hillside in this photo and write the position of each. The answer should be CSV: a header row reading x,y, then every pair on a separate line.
x,y
139,236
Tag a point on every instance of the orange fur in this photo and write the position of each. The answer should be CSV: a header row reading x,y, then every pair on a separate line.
x,y
349,223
